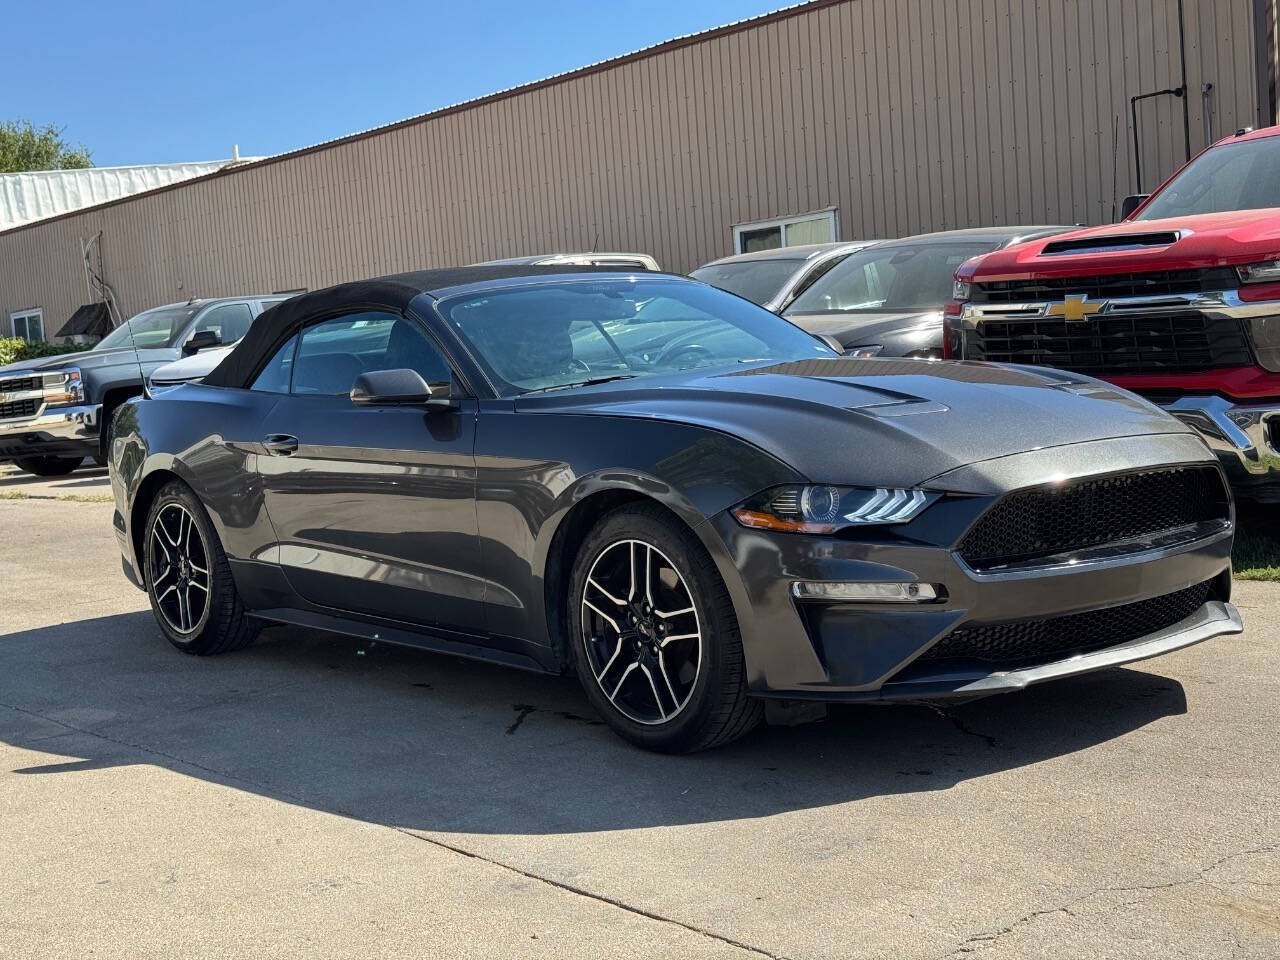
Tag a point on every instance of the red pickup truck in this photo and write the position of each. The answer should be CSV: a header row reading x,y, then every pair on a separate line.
x,y
1179,302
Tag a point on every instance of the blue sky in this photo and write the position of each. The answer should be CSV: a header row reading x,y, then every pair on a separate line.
x,y
155,83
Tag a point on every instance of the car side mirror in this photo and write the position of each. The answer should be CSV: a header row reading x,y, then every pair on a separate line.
x,y
399,388
200,340
1132,203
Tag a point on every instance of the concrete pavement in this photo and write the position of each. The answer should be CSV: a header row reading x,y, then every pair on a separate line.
x,y
317,796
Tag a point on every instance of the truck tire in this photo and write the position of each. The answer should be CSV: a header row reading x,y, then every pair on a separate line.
x,y
48,466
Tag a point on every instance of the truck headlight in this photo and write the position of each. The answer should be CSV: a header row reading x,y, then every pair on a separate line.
x,y
1268,271
819,508
960,290
63,388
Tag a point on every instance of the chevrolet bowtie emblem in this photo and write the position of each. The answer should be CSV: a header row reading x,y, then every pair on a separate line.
x,y
1074,308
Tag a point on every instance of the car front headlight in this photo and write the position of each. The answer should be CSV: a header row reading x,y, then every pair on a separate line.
x,y
960,290
822,509
869,350
64,387
1268,271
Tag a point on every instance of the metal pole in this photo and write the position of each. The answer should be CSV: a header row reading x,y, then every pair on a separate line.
x,y
1137,161
1186,109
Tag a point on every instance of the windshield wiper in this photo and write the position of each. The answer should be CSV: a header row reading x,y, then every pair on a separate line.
x,y
586,383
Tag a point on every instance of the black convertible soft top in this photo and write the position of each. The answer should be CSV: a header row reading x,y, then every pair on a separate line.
x,y
276,325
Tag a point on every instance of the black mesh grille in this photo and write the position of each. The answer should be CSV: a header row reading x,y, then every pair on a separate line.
x,y
1041,522
1149,284
1027,642
20,384
21,408
1158,342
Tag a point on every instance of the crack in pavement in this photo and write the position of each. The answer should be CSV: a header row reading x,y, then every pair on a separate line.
x,y
273,792
970,944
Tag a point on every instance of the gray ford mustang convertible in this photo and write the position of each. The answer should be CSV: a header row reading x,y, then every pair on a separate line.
x,y
669,490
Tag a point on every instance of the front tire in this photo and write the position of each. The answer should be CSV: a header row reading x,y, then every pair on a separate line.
x,y
48,466
655,640
188,578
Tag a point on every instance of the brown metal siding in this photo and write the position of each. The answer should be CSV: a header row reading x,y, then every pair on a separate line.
x,y
904,115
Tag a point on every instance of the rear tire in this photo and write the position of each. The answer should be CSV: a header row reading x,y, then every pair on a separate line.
x,y
649,679
188,578
49,466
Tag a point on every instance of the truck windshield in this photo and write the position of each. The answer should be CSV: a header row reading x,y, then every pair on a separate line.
x,y
154,328
1233,176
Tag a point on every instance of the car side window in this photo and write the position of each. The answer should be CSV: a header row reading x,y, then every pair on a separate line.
x,y
275,376
229,320
331,354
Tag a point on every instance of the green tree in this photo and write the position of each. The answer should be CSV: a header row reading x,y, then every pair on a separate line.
x,y
26,147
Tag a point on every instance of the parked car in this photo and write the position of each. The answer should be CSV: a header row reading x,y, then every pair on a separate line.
x,y
773,278
620,261
887,301
455,460
1179,302
190,368
53,410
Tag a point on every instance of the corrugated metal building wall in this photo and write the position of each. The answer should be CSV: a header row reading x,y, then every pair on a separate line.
x,y
904,115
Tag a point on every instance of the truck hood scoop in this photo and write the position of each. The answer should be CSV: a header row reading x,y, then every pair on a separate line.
x,y
1112,243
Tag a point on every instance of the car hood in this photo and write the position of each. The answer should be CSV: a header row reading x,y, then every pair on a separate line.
x,y
1205,240
853,329
193,367
94,359
878,422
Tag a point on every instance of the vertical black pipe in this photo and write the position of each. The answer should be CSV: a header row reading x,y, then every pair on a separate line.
x,y
1186,106
1137,157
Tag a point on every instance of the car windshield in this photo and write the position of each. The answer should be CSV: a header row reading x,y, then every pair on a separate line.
x,y
569,333
757,280
154,328
1234,176
898,279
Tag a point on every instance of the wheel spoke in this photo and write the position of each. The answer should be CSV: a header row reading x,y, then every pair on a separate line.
x,y
662,669
622,679
199,586
668,614
157,580
611,598
172,588
616,651
677,636
155,535
631,556
662,711
648,574
613,623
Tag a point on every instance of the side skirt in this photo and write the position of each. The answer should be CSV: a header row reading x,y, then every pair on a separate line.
x,y
268,596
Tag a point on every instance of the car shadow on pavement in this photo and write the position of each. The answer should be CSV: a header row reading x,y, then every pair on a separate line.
x,y
429,742
84,477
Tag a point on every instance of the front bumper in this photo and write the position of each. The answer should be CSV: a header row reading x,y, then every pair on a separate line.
x,y
1245,437
866,651
53,431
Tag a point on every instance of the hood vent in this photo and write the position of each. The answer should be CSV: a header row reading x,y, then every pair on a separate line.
x,y
1113,243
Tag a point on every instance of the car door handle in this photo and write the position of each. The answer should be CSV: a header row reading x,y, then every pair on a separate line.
x,y
280,444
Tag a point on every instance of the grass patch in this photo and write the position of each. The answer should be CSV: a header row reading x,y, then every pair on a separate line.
x,y
1257,551
65,497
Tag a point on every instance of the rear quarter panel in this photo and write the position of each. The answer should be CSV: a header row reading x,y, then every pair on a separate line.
x,y
209,438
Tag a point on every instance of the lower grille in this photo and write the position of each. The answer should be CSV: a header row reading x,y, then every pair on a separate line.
x,y
1027,642
1168,342
1043,522
19,408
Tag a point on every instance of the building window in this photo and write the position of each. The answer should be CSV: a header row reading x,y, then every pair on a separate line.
x,y
28,325
817,227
